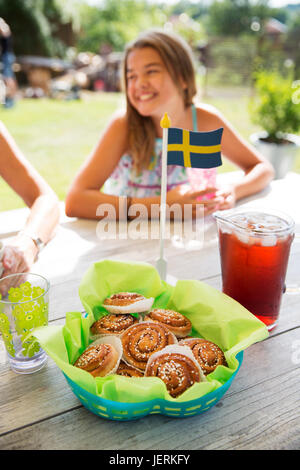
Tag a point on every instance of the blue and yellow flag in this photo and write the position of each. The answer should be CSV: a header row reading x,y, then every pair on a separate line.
x,y
194,149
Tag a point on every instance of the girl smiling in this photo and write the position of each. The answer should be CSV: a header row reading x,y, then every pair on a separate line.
x,y
159,77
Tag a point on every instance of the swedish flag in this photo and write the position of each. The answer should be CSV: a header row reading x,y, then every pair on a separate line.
x,y
194,149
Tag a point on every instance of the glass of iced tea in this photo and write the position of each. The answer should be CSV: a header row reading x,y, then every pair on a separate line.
x,y
254,249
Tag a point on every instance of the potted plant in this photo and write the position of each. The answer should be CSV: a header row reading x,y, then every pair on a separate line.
x,y
274,109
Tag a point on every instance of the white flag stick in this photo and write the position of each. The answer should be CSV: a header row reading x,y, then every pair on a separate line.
x,y
161,263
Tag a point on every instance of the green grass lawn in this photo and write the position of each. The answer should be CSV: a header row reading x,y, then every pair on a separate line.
x,y
57,136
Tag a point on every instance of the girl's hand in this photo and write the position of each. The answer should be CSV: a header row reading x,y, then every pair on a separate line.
x,y
229,197
182,195
18,257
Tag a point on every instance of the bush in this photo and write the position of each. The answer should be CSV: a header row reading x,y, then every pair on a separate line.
x,y
273,108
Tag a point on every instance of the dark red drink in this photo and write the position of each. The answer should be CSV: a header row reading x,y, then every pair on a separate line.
x,y
254,249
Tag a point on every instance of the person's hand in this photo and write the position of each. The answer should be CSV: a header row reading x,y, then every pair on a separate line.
x,y
4,28
229,197
18,257
183,195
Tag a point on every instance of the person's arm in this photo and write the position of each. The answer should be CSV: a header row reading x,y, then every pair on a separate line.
x,y
84,196
258,171
21,250
4,28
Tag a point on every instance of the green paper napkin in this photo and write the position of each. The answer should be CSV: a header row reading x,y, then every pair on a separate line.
x,y
214,316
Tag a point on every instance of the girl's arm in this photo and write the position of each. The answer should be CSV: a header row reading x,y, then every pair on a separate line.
x,y
84,195
21,250
258,171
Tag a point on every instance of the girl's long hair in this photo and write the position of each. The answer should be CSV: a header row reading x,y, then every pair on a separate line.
x,y
177,58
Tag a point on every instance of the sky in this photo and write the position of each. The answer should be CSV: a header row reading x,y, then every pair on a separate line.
x,y
282,3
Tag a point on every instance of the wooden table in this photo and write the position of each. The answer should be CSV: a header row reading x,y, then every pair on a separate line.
x,y
261,410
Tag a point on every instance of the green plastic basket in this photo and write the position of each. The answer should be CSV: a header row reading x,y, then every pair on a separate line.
x,y
118,411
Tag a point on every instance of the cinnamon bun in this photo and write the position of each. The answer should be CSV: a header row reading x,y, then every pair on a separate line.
x,y
207,353
140,341
113,324
127,302
174,321
99,359
176,368
128,371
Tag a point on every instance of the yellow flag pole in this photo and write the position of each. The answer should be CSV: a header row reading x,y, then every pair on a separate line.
x,y
161,263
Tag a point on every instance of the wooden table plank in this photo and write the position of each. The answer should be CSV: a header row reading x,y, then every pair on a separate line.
x,y
254,418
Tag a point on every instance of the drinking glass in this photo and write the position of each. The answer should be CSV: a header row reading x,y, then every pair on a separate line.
x,y
190,235
202,178
24,307
254,249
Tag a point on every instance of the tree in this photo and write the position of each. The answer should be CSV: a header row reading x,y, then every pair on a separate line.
x,y
37,25
234,17
194,10
116,22
292,44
